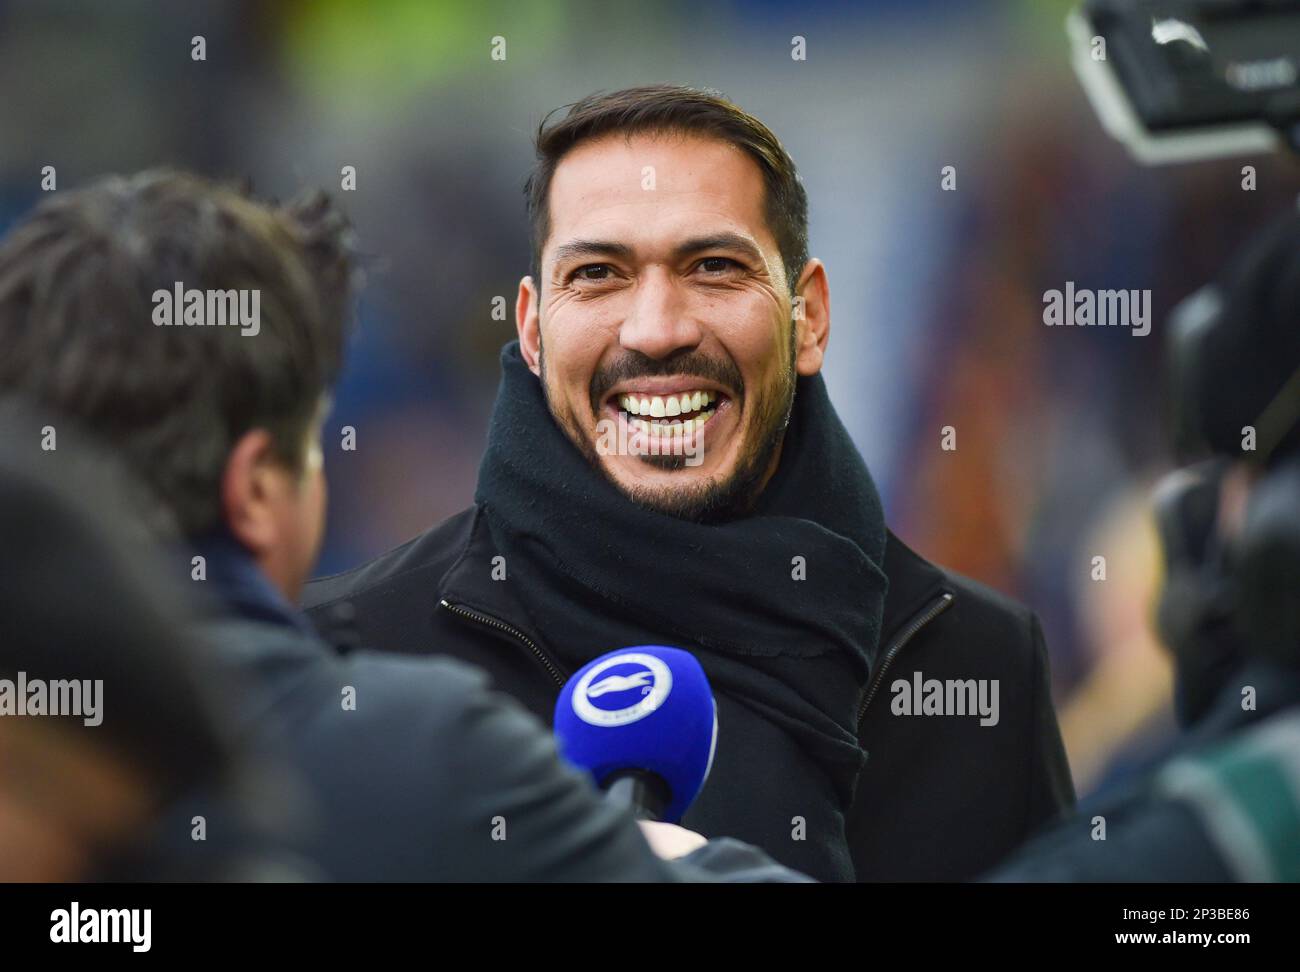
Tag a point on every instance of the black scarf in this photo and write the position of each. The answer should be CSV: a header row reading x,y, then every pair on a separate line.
x,y
596,572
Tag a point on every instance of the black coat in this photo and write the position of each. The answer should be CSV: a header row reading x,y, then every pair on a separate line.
x,y
941,798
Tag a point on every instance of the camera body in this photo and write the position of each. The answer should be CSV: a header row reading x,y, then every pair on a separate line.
x,y
1180,80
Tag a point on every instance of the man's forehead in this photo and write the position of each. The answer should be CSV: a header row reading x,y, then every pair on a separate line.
x,y
665,182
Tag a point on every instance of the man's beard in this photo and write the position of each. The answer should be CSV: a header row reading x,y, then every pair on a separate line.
x,y
715,499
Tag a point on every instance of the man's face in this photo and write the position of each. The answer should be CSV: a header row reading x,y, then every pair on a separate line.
x,y
662,332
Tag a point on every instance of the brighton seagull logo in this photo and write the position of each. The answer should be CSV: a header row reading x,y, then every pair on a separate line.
x,y
621,683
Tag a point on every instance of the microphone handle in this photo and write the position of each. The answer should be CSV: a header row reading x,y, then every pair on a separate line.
x,y
645,794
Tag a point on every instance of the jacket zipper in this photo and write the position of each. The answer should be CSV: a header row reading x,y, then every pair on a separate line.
x,y
492,622
919,621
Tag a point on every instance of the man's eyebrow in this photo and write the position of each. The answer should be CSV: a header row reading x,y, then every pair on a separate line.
x,y
576,249
588,248
719,241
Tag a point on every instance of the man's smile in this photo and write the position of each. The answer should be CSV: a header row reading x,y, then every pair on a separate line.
x,y
669,412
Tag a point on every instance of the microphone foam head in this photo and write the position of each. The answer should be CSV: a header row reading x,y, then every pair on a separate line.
x,y
646,708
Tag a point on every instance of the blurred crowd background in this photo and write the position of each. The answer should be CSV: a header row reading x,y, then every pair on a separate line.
x,y
937,296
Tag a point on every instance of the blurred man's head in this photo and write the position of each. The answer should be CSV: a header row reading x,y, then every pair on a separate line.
x,y
1234,354
670,244
1230,527
1234,377
221,421
85,605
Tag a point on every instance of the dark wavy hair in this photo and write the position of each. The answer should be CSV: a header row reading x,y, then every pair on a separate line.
x,y
77,277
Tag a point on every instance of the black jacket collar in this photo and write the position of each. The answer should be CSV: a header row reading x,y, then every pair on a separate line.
x,y
914,583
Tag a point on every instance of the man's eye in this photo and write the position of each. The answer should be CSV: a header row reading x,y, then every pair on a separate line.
x,y
717,264
593,271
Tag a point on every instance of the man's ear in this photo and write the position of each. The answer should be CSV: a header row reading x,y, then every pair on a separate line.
x,y
528,324
248,490
812,318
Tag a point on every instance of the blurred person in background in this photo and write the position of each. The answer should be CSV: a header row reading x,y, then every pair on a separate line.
x,y
1118,718
672,302
412,766
83,602
1225,805
1060,429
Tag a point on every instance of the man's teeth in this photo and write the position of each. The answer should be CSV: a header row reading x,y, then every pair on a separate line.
x,y
669,407
676,428
661,407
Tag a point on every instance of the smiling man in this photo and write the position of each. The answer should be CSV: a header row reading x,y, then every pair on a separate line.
x,y
664,466
667,299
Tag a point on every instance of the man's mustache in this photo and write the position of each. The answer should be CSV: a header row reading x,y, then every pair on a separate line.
x,y
693,364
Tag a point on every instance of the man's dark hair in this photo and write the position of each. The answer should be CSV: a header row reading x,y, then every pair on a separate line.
x,y
668,108
1247,369
78,335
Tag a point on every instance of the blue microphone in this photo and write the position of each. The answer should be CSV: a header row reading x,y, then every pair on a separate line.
x,y
642,721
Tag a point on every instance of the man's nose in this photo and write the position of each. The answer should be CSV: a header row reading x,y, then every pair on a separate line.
x,y
658,324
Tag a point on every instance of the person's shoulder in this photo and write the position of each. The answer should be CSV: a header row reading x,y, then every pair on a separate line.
x,y
967,610
243,642
273,673
431,678
446,717
438,692
991,610
426,557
